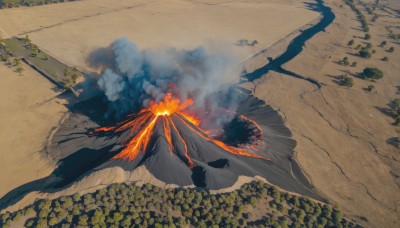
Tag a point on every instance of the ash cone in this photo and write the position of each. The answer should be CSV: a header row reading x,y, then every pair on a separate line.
x,y
177,151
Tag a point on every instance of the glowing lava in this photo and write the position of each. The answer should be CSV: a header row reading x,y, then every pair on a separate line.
x,y
169,106
141,128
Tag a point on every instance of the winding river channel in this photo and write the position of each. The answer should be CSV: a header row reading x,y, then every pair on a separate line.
x,y
296,46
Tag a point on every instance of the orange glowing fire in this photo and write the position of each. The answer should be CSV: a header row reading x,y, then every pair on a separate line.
x,y
141,127
168,106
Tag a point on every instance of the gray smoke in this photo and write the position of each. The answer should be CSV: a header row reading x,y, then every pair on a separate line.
x,y
135,78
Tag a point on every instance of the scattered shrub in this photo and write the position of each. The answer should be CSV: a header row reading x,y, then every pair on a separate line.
x,y
372,73
395,110
364,53
19,69
344,61
345,80
351,42
370,88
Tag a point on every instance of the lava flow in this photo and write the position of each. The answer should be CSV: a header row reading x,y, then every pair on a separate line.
x,y
170,111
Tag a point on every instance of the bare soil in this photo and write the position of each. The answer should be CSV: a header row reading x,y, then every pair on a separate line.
x,y
342,132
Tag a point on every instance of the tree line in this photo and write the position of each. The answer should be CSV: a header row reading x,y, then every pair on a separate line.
x,y
360,15
129,205
18,3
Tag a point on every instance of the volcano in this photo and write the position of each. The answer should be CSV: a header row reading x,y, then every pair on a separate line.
x,y
169,141
167,120
171,145
168,117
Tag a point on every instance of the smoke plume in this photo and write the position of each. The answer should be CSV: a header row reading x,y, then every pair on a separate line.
x,y
132,78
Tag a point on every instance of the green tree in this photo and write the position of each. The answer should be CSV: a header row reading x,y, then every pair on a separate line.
x,y
74,75
281,208
301,214
30,222
29,210
97,217
69,218
53,221
76,197
253,201
26,39
364,53
395,110
34,49
383,43
322,221
126,223
345,80
296,201
118,217
5,216
391,49
367,36
351,42
43,213
67,72
344,61
76,210
67,84
17,61
337,216
372,73
7,59
83,220
67,204
42,223
17,216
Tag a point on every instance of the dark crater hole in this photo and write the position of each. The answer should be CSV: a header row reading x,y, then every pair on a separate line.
x,y
240,131
199,176
220,163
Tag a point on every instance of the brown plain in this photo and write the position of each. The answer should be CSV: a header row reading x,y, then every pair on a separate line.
x,y
30,109
341,133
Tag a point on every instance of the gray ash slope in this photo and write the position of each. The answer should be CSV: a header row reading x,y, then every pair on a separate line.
x,y
80,154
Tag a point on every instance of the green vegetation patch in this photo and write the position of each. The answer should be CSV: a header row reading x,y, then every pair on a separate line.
x,y
18,3
345,80
395,110
372,73
54,70
360,15
129,205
